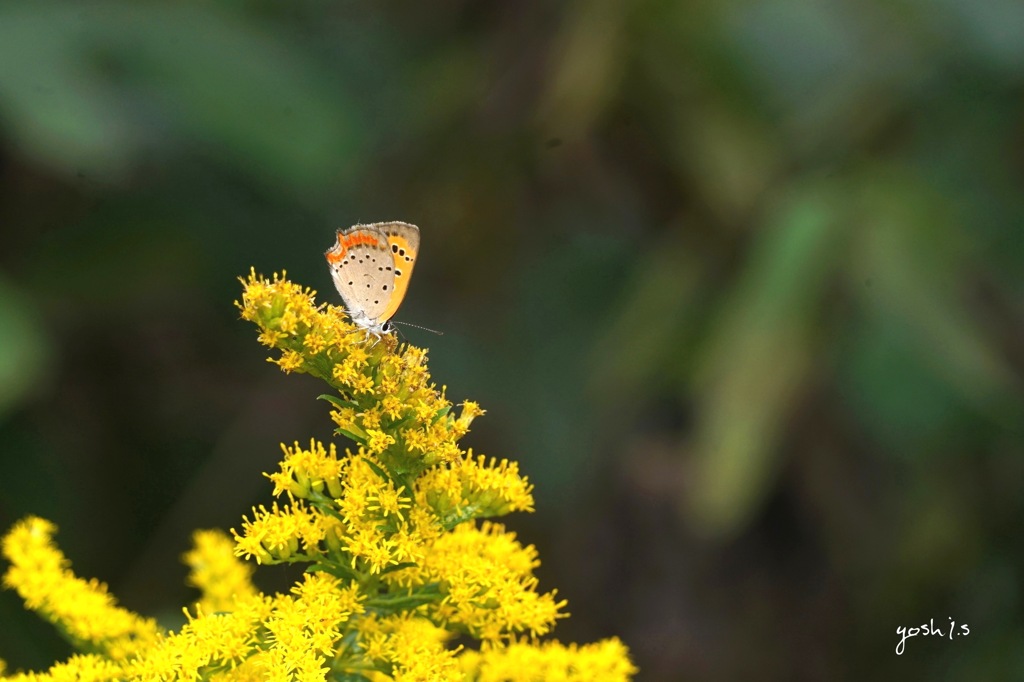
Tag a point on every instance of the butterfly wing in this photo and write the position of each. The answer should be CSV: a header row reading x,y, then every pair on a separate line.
x,y
404,243
363,269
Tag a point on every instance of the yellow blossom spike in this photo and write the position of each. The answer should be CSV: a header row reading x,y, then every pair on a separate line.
x,y
389,391
475,488
277,535
40,574
79,668
397,559
604,661
215,570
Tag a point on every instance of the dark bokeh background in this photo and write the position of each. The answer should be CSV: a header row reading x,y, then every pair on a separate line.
x,y
739,283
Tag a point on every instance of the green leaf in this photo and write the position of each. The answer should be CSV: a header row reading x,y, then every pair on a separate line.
x,y
758,357
337,570
377,469
336,401
325,505
399,567
351,435
396,603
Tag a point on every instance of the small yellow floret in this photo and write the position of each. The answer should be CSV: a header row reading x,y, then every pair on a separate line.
x,y
378,441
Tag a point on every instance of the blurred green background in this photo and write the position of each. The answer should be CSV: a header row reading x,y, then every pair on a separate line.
x,y
740,283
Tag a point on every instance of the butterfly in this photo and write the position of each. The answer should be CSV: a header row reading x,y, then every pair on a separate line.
x,y
371,266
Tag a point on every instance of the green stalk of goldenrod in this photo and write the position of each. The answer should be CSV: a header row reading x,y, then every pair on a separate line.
x,y
400,557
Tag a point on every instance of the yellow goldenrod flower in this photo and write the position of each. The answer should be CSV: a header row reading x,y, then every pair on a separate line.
x,y
378,441
399,556
487,584
371,420
304,472
413,647
207,642
290,361
604,661
362,384
79,668
303,630
218,574
475,489
41,575
276,535
364,377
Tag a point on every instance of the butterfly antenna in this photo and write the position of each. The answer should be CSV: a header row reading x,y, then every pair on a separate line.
x,y
410,324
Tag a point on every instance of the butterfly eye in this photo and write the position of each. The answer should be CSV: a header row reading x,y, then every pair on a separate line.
x,y
387,327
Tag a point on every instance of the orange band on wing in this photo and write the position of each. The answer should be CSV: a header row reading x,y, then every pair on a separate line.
x,y
339,250
403,271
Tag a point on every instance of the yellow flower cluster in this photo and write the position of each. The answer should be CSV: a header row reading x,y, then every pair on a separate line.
x,y
83,610
215,571
78,668
283,637
385,401
413,648
400,557
487,581
526,662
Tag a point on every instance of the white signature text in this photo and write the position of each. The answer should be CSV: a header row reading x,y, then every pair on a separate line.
x,y
929,629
